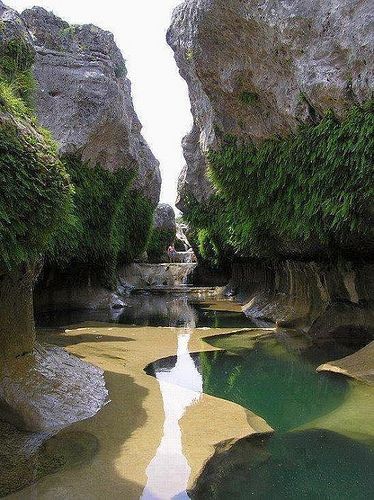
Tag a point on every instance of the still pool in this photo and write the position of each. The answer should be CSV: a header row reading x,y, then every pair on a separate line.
x,y
174,431
323,444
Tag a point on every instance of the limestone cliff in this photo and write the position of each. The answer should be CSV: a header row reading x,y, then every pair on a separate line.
x,y
84,98
257,69
279,171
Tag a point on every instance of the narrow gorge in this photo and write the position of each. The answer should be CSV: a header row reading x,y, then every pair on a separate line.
x,y
222,349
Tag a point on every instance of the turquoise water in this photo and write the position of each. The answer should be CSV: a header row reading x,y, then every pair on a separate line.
x,y
270,381
274,378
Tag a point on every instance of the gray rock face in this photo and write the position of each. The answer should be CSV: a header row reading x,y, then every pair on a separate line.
x,y
84,98
259,68
164,218
12,27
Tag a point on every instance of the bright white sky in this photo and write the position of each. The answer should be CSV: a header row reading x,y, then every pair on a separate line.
x,y
160,95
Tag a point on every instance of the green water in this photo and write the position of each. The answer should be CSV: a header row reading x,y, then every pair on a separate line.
x,y
276,378
278,385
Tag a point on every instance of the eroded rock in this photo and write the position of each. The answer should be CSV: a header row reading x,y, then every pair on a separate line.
x,y
326,299
359,365
258,69
49,389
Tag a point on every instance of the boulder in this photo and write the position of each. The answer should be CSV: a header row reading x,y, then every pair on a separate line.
x,y
48,389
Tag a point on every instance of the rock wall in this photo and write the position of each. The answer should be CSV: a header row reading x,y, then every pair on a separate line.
x,y
257,69
42,388
84,98
321,298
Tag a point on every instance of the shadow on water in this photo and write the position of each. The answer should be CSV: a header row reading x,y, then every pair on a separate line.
x,y
311,464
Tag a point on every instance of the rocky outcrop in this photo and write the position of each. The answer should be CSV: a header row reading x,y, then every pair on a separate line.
x,y
84,98
258,69
165,218
359,365
327,300
49,389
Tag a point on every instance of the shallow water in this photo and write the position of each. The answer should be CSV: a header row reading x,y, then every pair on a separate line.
x,y
275,377
267,379
148,441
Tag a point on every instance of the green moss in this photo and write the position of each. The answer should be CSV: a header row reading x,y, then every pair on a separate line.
x,y
111,223
69,31
16,60
35,193
248,97
120,70
158,244
35,188
315,186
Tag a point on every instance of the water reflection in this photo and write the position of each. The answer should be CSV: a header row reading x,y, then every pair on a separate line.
x,y
169,471
152,310
268,379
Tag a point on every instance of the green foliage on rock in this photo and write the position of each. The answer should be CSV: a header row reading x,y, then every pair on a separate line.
x,y
248,97
16,77
313,191
35,188
158,244
111,222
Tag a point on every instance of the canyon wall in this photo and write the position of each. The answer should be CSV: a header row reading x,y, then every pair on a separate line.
x,y
36,198
83,96
257,69
278,177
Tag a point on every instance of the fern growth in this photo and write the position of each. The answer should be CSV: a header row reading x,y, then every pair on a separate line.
x,y
310,194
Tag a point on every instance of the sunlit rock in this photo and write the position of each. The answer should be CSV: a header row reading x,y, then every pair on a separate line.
x,y
49,389
84,98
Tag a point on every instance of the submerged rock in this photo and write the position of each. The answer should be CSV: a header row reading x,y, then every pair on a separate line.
x,y
84,98
27,457
359,365
49,389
